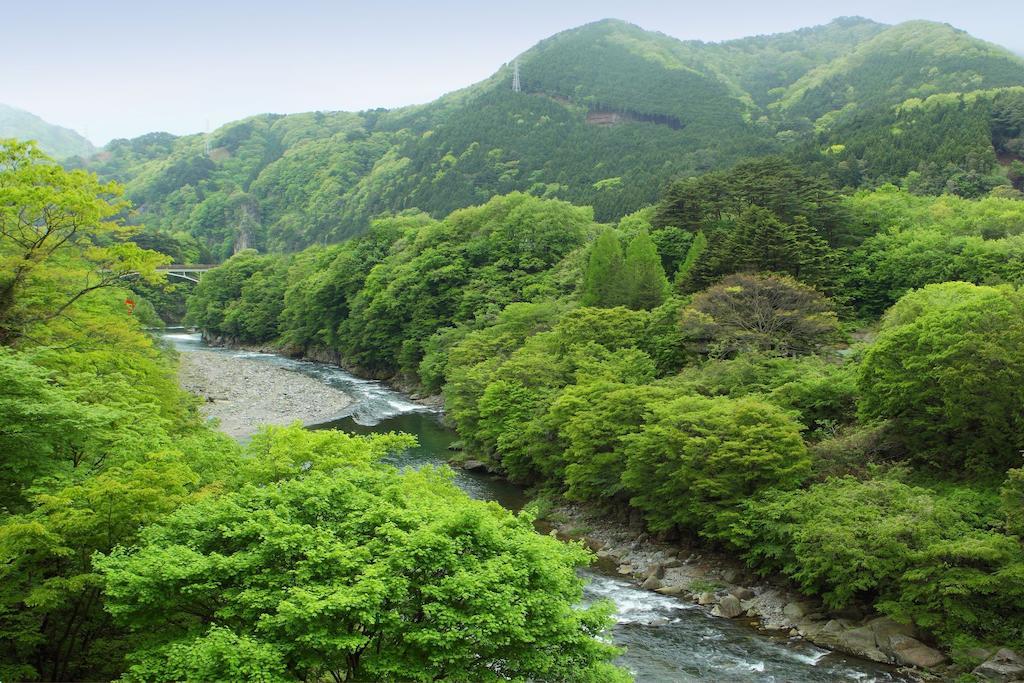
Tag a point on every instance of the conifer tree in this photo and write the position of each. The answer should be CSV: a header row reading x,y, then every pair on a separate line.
x,y
603,282
686,270
646,284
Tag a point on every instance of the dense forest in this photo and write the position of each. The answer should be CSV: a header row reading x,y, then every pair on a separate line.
x,y
137,542
828,385
608,114
763,295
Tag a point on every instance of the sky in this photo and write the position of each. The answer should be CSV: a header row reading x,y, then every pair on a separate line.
x,y
112,68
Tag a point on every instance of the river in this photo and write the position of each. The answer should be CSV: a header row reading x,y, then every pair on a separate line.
x,y
666,639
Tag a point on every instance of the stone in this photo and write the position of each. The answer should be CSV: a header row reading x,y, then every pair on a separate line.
x,y
652,583
832,628
810,628
625,569
474,466
1004,666
658,621
670,590
608,555
859,641
794,611
671,564
742,593
728,607
706,598
886,629
912,652
656,570
728,574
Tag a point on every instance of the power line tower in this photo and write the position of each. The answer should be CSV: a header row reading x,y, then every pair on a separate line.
x,y
206,139
516,87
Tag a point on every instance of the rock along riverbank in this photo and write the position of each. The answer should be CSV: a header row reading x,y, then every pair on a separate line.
x,y
244,394
724,586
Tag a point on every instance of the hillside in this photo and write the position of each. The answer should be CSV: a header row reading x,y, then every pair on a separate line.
x,y
56,141
913,59
607,114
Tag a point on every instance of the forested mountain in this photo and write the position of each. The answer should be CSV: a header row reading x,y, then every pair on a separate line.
x,y
606,115
54,140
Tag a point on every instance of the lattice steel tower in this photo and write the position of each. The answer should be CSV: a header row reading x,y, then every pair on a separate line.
x,y
516,87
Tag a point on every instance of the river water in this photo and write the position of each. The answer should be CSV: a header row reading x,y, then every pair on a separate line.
x,y
667,639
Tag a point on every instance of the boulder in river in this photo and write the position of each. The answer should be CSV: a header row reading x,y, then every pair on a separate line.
x,y
795,611
912,652
652,583
728,607
1004,666
474,466
859,641
742,593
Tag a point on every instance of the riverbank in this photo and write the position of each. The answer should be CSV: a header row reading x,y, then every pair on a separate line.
x,y
726,588
661,631
244,394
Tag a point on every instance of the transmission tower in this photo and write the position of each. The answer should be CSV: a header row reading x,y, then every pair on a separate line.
x,y
206,139
515,78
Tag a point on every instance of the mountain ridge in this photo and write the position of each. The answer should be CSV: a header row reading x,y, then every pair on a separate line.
x,y
55,140
608,113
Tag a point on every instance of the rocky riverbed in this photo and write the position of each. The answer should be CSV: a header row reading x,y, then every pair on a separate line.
x,y
724,587
244,394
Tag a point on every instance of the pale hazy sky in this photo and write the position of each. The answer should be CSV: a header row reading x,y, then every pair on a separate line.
x,y
111,68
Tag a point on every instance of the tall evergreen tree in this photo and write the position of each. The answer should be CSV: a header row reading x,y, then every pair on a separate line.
x,y
684,276
603,282
760,241
646,284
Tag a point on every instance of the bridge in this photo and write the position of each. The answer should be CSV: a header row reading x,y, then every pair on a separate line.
x,y
190,272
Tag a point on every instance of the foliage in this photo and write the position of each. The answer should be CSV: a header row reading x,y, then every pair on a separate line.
x,y
761,313
948,368
646,284
353,570
698,458
915,241
604,280
60,240
919,555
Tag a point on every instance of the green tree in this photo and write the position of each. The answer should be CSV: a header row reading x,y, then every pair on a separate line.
x,y
645,282
353,570
60,239
604,281
696,459
948,368
768,313
693,255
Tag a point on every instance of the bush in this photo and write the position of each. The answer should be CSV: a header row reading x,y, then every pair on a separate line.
x,y
846,538
948,369
696,459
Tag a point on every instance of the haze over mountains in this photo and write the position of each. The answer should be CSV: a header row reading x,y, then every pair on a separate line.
x,y
607,114
57,141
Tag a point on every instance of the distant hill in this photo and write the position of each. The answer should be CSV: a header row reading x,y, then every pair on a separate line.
x,y
607,113
57,141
